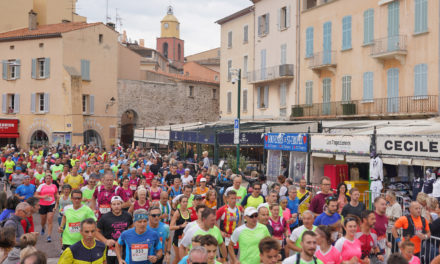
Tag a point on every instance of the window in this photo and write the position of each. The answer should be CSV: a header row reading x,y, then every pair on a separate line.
x,y
283,17
229,70
11,69
368,86
421,80
346,89
245,34
165,49
283,54
230,39
368,26
421,16
263,25
85,70
41,68
245,66
88,104
191,91
40,103
309,42
229,106
85,103
11,103
346,33
309,92
100,38
214,94
263,97
245,100
283,95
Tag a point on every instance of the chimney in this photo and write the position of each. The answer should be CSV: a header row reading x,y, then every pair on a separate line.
x,y
142,42
124,37
32,20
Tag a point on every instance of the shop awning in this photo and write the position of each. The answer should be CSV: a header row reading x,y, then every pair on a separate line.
x,y
390,161
431,163
357,159
322,155
14,135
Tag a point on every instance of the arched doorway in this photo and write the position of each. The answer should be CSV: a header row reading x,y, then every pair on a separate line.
x,y
128,124
39,138
92,137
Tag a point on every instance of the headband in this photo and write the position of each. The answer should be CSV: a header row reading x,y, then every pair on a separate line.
x,y
138,217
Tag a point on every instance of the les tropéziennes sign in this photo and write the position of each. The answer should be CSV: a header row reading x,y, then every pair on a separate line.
x,y
416,146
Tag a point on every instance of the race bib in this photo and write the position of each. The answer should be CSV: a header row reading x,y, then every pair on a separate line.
x,y
111,252
133,187
48,199
105,208
139,252
74,227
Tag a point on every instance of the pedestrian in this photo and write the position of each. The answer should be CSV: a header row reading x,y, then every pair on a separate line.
x,y
307,255
74,214
211,199
26,189
263,218
64,201
88,249
304,197
206,163
141,245
47,192
163,230
269,251
354,207
104,193
319,201
278,223
181,218
74,179
165,208
248,237
330,216
341,196
368,239
111,225
381,226
241,191
293,205
16,179
89,189
141,203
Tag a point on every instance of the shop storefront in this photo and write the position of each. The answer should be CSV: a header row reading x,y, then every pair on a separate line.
x,y
286,154
342,158
63,138
8,131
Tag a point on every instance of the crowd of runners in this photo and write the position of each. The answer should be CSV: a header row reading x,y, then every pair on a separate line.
x,y
136,206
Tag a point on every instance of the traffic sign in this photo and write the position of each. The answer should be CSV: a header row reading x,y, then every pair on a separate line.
x,y
236,131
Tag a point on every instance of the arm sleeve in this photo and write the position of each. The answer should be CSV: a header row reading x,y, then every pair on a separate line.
x,y
339,244
400,223
244,202
235,235
66,257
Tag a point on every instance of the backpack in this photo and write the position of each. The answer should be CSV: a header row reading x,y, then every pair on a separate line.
x,y
411,230
298,259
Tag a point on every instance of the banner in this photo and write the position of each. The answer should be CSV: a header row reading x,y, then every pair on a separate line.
x,y
418,146
286,141
347,144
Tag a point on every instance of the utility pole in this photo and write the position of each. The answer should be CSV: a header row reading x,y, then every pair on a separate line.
x,y
238,117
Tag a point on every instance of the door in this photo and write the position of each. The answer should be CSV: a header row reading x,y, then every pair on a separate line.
x,y
393,90
327,43
326,96
393,26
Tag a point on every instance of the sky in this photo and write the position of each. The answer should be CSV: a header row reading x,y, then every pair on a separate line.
x,y
141,18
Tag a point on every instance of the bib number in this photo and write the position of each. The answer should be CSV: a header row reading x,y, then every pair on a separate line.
x,y
139,252
111,252
103,209
74,227
133,187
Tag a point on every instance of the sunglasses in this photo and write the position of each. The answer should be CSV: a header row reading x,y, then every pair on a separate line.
x,y
330,198
155,215
253,216
257,189
76,198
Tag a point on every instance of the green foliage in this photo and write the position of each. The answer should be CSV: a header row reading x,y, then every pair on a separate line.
x,y
232,163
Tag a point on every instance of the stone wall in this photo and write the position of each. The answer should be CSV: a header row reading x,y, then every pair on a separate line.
x,y
160,103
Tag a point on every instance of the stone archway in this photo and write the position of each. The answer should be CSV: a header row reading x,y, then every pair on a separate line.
x,y
93,138
39,138
129,121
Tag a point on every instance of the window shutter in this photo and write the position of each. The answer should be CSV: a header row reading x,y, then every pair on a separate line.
x,y
245,94
266,96
34,68
245,32
5,70
33,103
309,42
259,25
47,67
424,15
92,104
279,19
258,97
288,16
229,39
46,102
16,103
267,24
346,32
4,103
18,69
283,54
88,70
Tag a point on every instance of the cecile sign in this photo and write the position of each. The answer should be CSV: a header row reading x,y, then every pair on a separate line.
x,y
422,146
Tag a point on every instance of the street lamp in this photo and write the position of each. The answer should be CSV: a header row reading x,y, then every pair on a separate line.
x,y
236,77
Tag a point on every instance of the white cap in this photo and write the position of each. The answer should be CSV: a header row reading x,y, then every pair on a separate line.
x,y
250,211
203,180
117,198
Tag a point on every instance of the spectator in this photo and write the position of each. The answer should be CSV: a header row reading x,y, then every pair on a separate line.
x,y
342,197
318,202
22,210
26,246
206,163
11,204
7,242
37,257
28,222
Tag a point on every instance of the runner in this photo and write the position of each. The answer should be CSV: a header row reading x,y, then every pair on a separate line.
x,y
349,246
269,251
165,208
25,190
47,192
141,245
307,255
325,251
74,214
253,199
64,201
367,238
294,241
163,230
202,189
155,191
104,193
142,203
16,179
304,197
111,225
74,179
179,221
89,189
278,223
239,190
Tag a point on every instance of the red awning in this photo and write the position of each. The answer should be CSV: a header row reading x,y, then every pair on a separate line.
x,y
14,135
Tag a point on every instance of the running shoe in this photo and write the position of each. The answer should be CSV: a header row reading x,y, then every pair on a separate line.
x,y
42,231
49,239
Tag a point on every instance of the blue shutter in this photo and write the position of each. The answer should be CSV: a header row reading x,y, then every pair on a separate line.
x,y
259,25
368,26
283,54
16,103
327,43
85,70
309,42
92,104
34,69
5,70
258,97
421,80
393,25
33,103
326,96
266,96
47,67
46,102
346,33
368,86
18,69
4,103
267,24
393,90
421,16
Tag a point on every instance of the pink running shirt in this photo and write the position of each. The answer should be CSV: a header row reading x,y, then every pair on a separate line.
x,y
50,190
332,256
349,249
414,260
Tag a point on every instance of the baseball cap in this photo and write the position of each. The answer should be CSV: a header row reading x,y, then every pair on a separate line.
x,y
198,197
117,198
203,179
250,211
27,177
187,169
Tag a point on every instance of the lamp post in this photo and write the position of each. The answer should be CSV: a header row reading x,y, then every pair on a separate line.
x,y
237,77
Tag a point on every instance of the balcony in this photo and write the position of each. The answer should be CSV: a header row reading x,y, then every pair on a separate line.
x,y
409,106
279,72
390,48
325,60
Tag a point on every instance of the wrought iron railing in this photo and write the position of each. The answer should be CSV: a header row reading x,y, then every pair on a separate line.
x,y
388,45
271,73
322,59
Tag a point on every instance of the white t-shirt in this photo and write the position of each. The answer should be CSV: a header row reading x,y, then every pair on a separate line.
x,y
297,232
186,180
292,260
